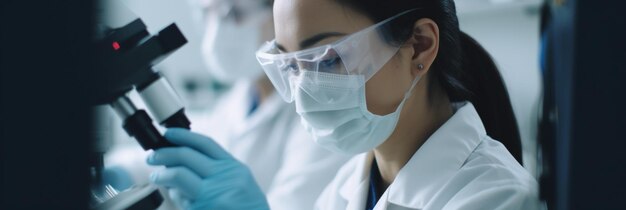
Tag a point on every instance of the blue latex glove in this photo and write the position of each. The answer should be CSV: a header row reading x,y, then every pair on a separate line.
x,y
201,175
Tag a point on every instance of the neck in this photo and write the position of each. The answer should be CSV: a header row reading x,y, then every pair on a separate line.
x,y
418,120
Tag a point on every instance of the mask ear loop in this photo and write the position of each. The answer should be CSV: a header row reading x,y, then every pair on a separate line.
x,y
415,81
413,84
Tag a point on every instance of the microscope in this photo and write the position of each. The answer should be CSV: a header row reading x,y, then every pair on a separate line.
x,y
124,62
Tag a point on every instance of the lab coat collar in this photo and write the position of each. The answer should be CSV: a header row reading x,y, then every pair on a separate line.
x,y
355,188
266,111
435,162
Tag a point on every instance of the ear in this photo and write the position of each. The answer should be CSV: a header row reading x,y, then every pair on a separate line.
x,y
425,46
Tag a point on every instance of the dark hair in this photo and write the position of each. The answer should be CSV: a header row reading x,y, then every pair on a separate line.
x,y
463,69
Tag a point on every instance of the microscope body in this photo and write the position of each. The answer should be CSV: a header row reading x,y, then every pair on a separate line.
x,y
124,63
125,59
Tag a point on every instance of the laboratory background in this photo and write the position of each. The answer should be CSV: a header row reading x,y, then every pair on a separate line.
x,y
562,62
509,30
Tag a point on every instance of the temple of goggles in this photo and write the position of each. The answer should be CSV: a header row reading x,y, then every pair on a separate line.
x,y
360,54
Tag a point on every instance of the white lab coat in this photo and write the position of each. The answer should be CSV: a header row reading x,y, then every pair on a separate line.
x,y
458,167
290,168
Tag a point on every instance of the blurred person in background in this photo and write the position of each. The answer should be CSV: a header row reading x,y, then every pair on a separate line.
x,y
251,121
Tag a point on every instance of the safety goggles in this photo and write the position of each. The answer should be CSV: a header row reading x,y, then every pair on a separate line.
x,y
358,55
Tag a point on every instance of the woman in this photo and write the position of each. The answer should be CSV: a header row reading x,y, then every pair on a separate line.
x,y
398,82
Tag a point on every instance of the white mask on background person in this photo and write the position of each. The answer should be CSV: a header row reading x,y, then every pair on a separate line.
x,y
346,125
229,47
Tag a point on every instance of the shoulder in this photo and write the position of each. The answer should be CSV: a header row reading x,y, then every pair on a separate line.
x,y
491,157
492,179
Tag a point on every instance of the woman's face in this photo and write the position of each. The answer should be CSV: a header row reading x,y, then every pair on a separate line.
x,y
303,24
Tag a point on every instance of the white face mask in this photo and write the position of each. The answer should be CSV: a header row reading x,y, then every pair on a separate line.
x,y
327,84
345,126
229,48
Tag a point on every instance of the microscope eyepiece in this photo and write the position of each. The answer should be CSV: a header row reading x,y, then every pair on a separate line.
x,y
163,102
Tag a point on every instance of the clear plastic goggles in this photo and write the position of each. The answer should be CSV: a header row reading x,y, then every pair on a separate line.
x,y
359,55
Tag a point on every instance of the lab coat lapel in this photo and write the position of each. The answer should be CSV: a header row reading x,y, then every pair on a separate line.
x,y
437,160
384,204
355,189
239,106
428,170
265,112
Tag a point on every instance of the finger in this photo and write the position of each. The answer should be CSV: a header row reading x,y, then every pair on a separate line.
x,y
203,144
179,178
183,156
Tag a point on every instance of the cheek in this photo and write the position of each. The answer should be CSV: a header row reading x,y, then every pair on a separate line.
x,y
385,90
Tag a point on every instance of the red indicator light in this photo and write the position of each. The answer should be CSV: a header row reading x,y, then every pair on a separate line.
x,y
116,46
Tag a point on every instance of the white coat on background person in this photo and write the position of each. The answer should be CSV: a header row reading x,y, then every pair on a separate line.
x,y
251,121
432,179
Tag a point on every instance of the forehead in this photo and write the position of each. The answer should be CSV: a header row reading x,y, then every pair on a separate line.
x,y
296,20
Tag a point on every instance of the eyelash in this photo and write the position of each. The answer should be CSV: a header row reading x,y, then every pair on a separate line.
x,y
292,66
330,62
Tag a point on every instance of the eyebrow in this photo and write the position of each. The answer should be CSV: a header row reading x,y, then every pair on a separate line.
x,y
313,40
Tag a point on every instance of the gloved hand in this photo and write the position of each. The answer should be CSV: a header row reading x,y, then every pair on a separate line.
x,y
201,175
